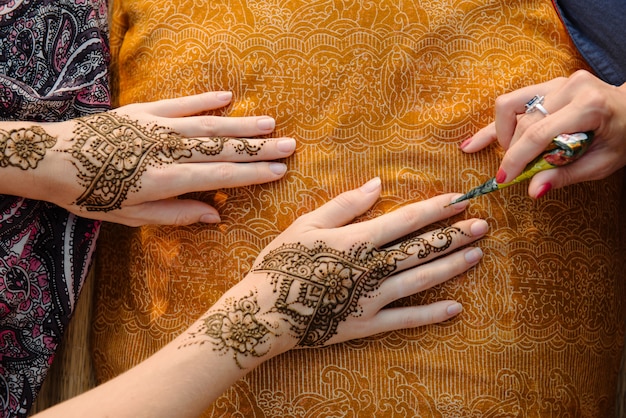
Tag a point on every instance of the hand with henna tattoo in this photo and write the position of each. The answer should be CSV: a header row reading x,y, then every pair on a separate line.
x,y
324,280
129,164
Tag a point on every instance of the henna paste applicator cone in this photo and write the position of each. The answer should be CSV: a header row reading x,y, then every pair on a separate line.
x,y
563,150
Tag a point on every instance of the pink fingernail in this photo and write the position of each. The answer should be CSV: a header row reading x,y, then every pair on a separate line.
x,y
479,228
465,143
455,309
278,168
266,123
371,186
543,190
225,96
501,176
210,218
286,145
473,255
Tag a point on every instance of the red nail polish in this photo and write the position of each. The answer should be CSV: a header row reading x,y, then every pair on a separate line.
x,y
501,176
465,143
543,190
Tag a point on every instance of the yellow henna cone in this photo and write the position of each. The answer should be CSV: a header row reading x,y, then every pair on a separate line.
x,y
563,150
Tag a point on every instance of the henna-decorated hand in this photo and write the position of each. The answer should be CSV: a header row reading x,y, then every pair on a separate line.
x,y
322,281
579,103
129,164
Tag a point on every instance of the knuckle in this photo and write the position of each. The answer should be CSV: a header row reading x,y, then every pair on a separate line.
x,y
225,172
420,280
595,101
581,76
538,135
346,204
182,219
409,321
503,103
411,215
209,125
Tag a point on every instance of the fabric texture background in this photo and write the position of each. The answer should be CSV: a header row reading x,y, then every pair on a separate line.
x,y
376,88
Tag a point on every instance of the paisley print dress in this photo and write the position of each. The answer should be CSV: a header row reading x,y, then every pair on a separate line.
x,y
53,66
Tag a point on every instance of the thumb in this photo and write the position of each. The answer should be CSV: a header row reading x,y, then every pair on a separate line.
x,y
166,212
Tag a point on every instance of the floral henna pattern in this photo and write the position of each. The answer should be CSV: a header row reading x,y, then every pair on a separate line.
x,y
24,148
236,329
317,288
111,153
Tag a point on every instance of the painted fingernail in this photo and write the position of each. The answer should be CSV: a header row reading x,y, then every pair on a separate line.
x,y
286,145
266,123
455,309
478,228
278,168
465,143
210,218
501,176
225,96
473,255
543,190
371,186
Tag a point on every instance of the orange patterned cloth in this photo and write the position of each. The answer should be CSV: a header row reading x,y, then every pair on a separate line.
x,y
376,88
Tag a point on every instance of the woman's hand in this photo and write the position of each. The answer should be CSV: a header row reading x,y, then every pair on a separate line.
x,y
579,103
323,281
320,282
129,164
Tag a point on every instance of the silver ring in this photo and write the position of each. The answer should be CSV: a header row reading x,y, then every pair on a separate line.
x,y
536,103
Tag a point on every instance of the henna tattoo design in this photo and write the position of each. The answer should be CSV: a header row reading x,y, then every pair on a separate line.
x,y
24,147
319,287
111,153
235,329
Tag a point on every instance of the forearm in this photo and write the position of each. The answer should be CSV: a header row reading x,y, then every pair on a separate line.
x,y
178,381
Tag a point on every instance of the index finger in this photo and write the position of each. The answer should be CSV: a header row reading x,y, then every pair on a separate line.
x,y
509,106
401,222
189,105
571,118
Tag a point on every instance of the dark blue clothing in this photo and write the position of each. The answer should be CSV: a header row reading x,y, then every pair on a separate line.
x,y
598,28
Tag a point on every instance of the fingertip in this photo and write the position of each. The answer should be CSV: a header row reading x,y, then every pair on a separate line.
x,y
210,218
371,186
545,181
457,206
286,145
473,255
454,309
463,145
266,123
278,169
224,96
501,176
543,190
480,140
479,228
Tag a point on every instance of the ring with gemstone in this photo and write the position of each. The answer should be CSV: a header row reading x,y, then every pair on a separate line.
x,y
536,103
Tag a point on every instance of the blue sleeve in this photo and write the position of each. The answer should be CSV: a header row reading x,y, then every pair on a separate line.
x,y
598,29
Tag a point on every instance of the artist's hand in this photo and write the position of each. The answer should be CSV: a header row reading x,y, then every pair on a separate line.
x,y
579,103
324,281
128,165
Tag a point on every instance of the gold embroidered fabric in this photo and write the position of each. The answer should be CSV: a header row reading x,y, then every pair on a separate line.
x,y
376,88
